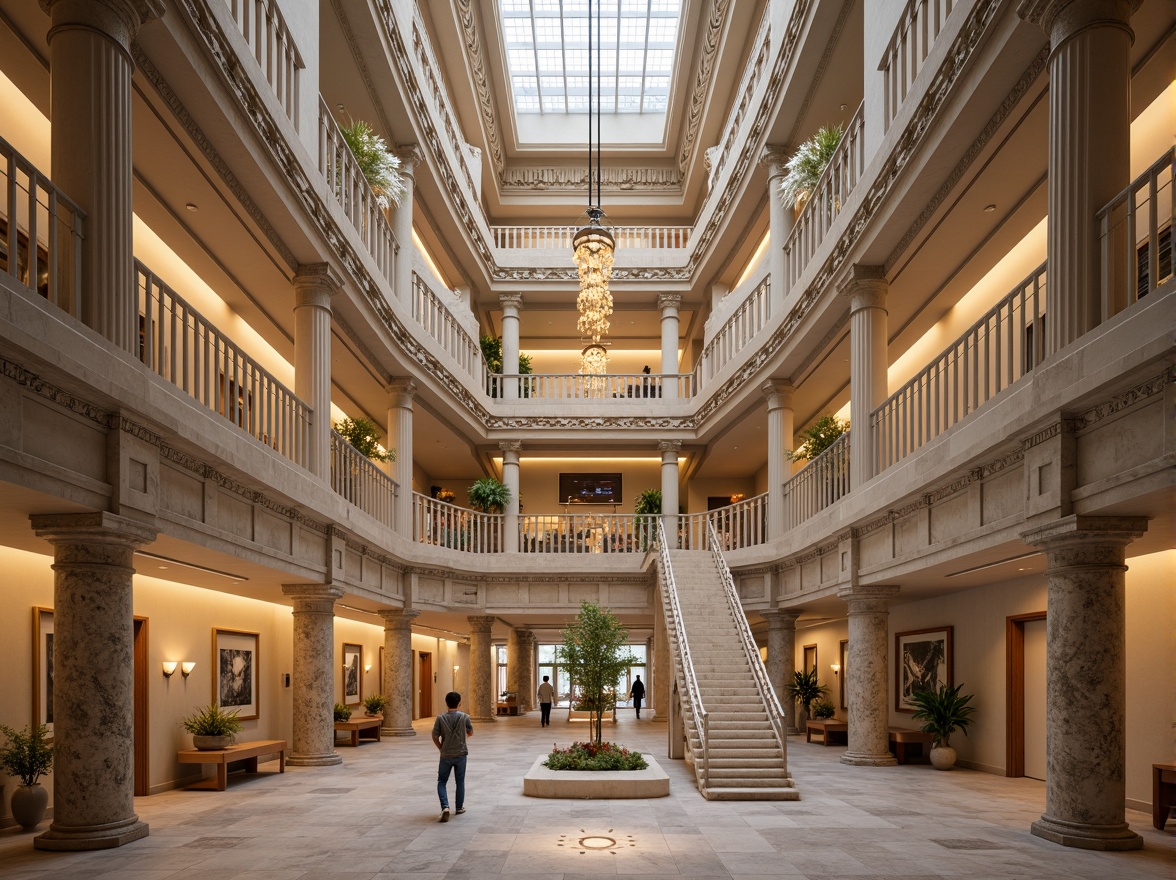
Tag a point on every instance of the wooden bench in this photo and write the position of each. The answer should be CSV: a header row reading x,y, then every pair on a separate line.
x,y
507,708
247,752
361,728
1163,793
904,742
827,728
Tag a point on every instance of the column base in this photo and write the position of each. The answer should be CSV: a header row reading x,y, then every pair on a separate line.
x,y
883,760
794,731
315,760
483,719
90,837
397,731
1108,838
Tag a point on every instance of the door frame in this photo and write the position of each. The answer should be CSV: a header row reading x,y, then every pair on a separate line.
x,y
141,698
1015,691
425,687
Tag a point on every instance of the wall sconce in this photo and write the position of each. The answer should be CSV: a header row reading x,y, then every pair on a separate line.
x,y
169,668
836,667
186,667
455,668
367,667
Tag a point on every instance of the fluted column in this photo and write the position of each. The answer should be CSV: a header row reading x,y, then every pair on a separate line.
x,y
481,696
661,678
1089,148
93,679
510,479
400,394
512,304
400,218
868,678
781,219
1085,681
314,285
90,70
516,665
782,660
669,488
780,433
314,674
866,291
669,303
398,670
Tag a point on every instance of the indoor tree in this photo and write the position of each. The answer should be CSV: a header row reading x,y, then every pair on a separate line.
x,y
822,434
364,436
595,654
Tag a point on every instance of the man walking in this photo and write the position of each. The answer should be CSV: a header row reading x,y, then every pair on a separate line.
x,y
637,694
546,698
450,732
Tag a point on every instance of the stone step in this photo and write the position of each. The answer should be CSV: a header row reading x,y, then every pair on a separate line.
x,y
757,741
764,753
763,761
725,727
731,779
750,794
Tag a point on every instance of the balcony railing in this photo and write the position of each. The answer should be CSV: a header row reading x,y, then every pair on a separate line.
x,y
751,317
753,71
823,481
996,351
827,199
457,528
918,27
356,477
264,29
338,166
742,524
586,533
181,345
1135,230
439,323
575,386
560,237
41,233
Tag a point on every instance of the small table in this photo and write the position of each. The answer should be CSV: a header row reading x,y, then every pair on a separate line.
x,y
827,729
361,728
247,752
507,708
1163,793
903,740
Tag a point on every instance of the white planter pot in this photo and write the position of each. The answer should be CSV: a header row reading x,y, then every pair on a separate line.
x,y
943,757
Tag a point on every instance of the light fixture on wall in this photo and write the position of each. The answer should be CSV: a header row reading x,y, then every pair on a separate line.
x,y
836,667
169,668
367,667
186,667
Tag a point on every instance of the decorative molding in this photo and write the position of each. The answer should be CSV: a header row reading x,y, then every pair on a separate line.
x,y
702,80
822,66
477,65
570,178
1122,401
43,388
361,65
1041,436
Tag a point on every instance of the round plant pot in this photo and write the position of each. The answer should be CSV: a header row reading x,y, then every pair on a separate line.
x,y
28,805
943,757
211,743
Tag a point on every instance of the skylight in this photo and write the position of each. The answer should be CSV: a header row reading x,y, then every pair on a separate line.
x,y
547,54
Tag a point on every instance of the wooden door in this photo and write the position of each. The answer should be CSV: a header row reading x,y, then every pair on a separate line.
x,y
425,683
1022,686
141,726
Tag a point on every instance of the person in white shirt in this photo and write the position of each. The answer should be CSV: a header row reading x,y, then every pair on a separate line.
x,y
546,696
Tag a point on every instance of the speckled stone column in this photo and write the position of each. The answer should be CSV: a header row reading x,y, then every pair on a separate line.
x,y
527,672
782,660
479,702
93,695
661,679
868,683
398,671
516,660
314,674
1085,681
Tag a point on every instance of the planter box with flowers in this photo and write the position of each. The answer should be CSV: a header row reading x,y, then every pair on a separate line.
x,y
589,770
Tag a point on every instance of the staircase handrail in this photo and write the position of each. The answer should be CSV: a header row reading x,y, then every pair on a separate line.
x,y
771,700
691,682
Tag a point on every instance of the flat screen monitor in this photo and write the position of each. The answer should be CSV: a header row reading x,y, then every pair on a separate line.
x,y
590,489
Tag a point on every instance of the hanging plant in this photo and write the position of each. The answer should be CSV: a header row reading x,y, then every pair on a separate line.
x,y
807,165
489,495
379,167
364,436
823,434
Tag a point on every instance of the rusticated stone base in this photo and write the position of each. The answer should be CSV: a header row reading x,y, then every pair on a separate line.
x,y
315,760
1106,838
82,839
397,731
887,760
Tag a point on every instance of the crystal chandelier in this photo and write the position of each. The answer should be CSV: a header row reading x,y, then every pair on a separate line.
x,y
593,360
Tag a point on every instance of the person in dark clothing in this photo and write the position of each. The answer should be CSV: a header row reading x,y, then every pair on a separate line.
x,y
637,694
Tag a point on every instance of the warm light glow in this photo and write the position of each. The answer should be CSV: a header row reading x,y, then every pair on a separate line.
x,y
593,361
753,264
169,668
367,667
836,667
186,667
424,252
594,260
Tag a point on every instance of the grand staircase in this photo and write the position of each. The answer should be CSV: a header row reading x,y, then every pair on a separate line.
x,y
733,722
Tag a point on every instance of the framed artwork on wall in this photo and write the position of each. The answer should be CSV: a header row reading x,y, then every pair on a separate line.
x,y
843,658
922,660
43,667
236,672
352,674
810,658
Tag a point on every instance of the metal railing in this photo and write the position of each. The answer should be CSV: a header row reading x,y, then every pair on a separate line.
x,y
264,29
585,533
609,386
739,525
41,232
1135,231
457,528
560,237
355,196
439,323
823,481
181,345
827,199
357,479
918,27
736,333
677,631
767,692
1005,344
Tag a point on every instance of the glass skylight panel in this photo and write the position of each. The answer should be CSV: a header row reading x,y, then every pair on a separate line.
x,y
633,48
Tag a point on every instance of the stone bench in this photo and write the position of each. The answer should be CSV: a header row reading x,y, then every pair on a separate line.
x,y
248,752
828,728
365,728
904,741
1163,793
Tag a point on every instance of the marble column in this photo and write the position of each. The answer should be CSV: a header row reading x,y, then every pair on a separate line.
x,y
400,394
527,672
782,660
93,695
669,303
512,304
400,217
781,219
669,487
868,678
780,433
1089,148
866,291
510,479
314,285
313,744
661,678
516,665
480,700
398,670
90,70
1085,680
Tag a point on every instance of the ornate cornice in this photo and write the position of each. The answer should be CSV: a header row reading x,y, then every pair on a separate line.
x,y
572,178
43,388
477,64
702,81
1128,398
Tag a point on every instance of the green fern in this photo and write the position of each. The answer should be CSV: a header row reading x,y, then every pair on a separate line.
x,y
807,165
379,167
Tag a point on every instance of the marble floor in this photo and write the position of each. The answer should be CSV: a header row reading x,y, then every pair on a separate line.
x,y
375,816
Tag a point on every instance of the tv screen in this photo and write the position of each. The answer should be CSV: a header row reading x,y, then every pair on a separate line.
x,y
590,489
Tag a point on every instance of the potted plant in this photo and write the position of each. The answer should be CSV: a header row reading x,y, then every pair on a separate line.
x,y
492,354
27,756
806,166
646,506
806,689
342,713
595,654
380,168
375,704
943,712
213,727
820,436
489,495
365,437
823,709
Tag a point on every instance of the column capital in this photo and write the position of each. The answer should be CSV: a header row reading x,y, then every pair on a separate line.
x,y
315,284
410,156
398,618
1086,530
778,393
118,19
304,595
868,599
669,301
94,527
866,287
401,392
511,301
481,623
1061,19
664,446
781,618
775,157
515,446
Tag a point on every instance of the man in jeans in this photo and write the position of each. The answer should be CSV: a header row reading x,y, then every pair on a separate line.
x,y
450,732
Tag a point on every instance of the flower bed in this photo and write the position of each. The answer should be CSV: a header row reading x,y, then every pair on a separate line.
x,y
590,756
543,782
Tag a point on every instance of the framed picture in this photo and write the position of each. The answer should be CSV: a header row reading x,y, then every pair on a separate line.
x,y
922,660
810,658
43,667
843,658
352,674
236,666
